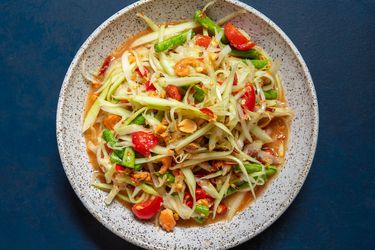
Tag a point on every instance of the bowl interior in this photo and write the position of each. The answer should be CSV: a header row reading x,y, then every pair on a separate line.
x,y
300,94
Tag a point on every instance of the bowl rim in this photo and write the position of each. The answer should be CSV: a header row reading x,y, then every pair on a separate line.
x,y
315,125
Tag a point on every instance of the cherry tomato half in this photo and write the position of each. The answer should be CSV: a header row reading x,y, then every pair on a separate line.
x,y
236,38
147,209
143,142
203,41
249,98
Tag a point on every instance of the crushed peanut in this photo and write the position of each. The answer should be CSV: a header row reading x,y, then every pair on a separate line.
x,y
160,128
142,176
187,126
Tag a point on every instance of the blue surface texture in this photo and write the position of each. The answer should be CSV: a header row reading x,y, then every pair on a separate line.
x,y
335,208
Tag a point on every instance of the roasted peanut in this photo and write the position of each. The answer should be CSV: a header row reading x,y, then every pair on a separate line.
x,y
187,126
166,220
181,68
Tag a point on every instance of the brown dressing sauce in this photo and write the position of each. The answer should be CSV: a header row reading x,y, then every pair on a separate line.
x,y
278,127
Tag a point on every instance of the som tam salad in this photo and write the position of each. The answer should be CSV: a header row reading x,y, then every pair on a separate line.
x,y
186,122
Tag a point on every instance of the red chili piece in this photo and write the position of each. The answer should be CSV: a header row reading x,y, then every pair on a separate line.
x,y
143,142
119,168
173,92
105,65
199,194
146,72
236,38
235,79
208,112
188,200
150,86
147,209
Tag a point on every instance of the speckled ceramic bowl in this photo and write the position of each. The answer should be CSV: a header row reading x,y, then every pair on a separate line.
x,y
300,94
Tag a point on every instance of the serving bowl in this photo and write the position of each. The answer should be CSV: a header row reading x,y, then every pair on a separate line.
x,y
299,91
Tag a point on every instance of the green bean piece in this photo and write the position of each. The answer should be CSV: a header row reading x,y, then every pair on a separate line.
x,y
148,188
259,63
115,159
129,158
199,220
109,137
270,94
138,167
212,27
240,186
172,42
170,177
199,94
255,167
119,153
251,167
249,54
159,115
271,171
202,210
139,120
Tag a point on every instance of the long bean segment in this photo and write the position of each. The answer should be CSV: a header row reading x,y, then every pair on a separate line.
x,y
172,42
249,54
212,27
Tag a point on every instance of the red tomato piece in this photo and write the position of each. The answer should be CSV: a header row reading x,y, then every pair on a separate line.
x,y
249,98
143,142
146,72
150,86
119,168
105,65
203,41
173,92
147,209
236,38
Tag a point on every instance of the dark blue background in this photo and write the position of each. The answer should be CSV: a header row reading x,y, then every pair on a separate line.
x,y
38,208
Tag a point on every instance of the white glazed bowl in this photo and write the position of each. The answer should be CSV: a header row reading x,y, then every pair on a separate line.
x,y
300,94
